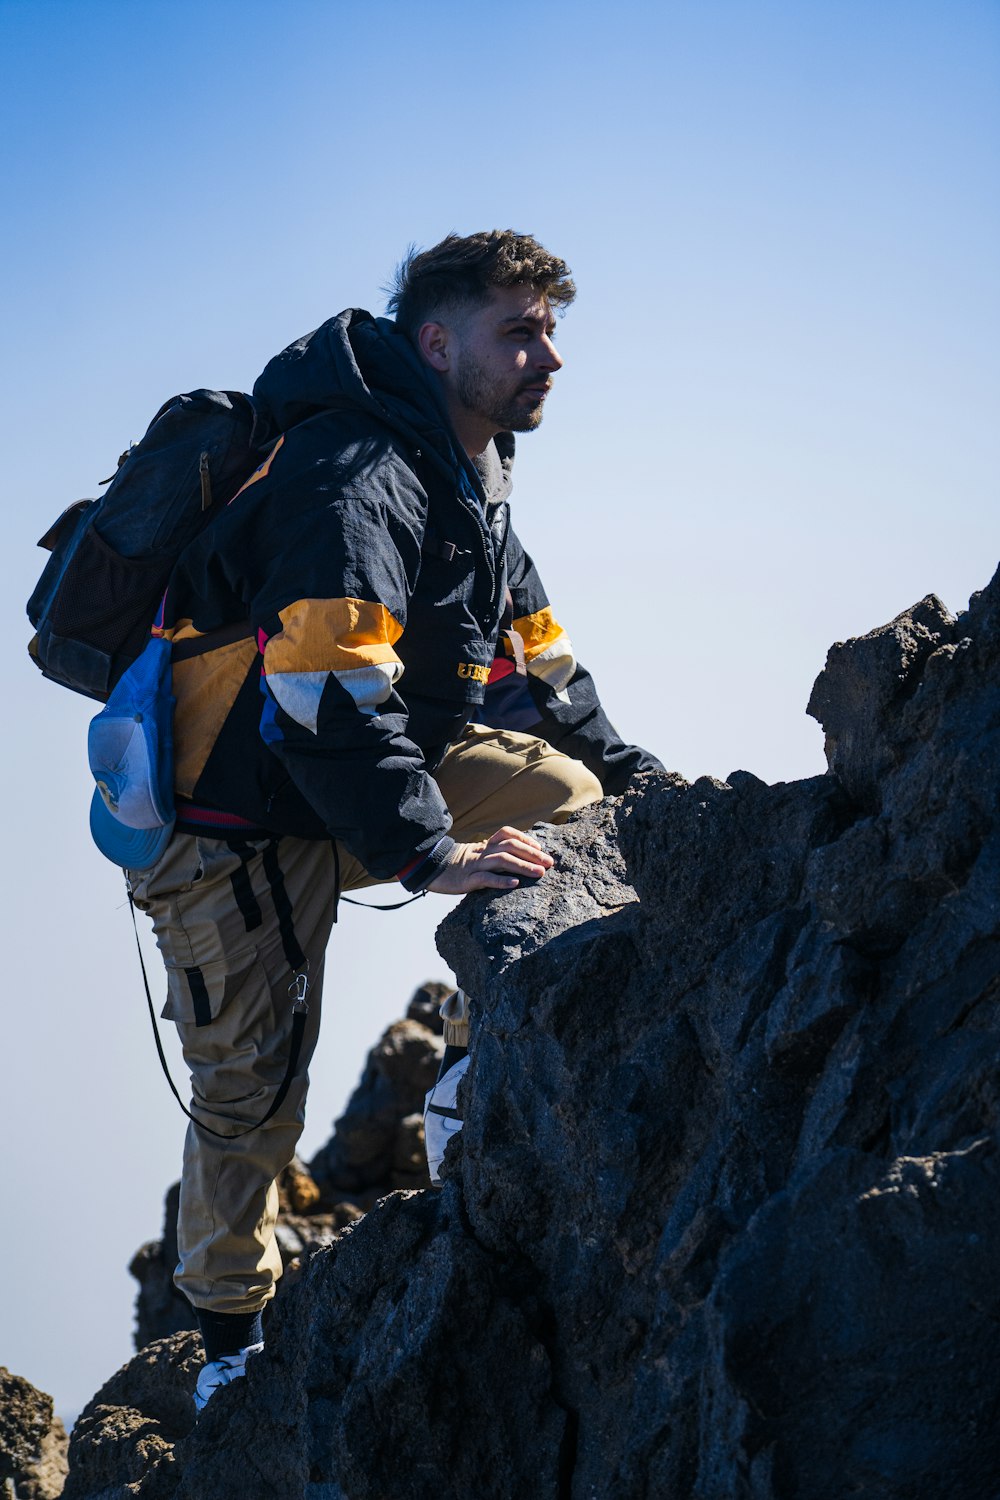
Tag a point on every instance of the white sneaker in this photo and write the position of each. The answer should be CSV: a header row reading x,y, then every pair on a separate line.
x,y
441,1117
219,1372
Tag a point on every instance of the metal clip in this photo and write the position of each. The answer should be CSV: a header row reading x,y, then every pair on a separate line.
x,y
298,987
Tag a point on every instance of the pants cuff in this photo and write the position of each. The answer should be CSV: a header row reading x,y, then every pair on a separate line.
x,y
455,1014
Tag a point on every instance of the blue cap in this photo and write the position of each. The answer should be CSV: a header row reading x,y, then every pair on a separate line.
x,y
130,745
131,848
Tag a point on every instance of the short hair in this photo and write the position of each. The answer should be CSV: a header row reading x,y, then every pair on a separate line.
x,y
464,269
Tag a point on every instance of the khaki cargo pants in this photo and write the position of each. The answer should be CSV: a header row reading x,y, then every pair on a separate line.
x,y
235,923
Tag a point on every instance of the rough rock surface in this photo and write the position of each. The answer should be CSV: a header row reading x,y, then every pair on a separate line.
x,y
32,1442
723,1222
377,1145
126,1441
378,1142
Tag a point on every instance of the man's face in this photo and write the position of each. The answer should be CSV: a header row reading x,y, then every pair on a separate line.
x,y
504,360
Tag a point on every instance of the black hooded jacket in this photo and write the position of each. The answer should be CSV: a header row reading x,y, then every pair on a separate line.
x,y
337,627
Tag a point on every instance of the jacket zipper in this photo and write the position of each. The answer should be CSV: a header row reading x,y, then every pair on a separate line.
x,y
494,560
501,558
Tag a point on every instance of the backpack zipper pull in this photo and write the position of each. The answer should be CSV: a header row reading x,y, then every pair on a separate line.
x,y
206,481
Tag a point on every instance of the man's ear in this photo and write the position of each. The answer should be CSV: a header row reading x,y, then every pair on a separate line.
x,y
434,343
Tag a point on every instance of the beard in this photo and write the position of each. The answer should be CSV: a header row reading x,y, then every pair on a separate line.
x,y
501,402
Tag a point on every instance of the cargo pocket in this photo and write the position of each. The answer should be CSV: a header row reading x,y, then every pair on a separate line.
x,y
179,869
197,994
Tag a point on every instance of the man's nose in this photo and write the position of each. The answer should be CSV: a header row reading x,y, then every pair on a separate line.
x,y
550,358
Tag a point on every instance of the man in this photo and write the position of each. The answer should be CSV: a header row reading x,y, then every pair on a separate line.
x,y
370,686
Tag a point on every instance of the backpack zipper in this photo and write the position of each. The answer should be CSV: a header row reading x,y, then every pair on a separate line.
x,y
206,482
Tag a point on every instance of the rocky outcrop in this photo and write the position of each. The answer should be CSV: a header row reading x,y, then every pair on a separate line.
x,y
32,1442
723,1221
377,1146
128,1440
378,1143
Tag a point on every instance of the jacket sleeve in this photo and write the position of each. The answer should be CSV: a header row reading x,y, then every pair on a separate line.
x,y
329,603
558,700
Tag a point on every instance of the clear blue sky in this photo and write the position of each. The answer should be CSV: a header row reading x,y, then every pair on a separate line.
x,y
777,425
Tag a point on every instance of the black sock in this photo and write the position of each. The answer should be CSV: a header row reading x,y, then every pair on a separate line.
x,y
452,1055
228,1333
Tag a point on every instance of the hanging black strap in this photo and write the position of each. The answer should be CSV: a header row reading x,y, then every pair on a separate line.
x,y
352,901
242,884
283,907
378,906
299,1012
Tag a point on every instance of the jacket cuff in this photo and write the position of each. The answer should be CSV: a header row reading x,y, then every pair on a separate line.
x,y
418,874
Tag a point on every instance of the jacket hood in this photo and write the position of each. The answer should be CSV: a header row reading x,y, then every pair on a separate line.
x,y
357,361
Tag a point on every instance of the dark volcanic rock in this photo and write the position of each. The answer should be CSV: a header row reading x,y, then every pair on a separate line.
x,y
123,1441
377,1144
32,1442
723,1222
160,1309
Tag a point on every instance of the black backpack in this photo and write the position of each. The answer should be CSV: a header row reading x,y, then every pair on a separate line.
x,y
111,558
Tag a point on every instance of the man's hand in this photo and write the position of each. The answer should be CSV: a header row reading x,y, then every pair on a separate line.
x,y
495,864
